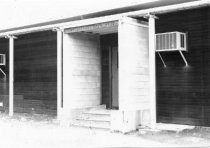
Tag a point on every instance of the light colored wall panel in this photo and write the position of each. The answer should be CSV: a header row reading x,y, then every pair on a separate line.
x,y
82,70
133,67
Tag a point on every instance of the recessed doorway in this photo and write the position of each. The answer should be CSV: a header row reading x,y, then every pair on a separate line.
x,y
109,58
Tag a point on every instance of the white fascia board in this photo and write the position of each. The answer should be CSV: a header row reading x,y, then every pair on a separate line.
x,y
92,21
170,8
156,10
64,25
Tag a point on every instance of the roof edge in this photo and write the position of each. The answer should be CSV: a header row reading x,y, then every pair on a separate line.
x,y
93,16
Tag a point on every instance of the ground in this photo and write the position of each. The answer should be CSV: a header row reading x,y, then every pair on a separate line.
x,y
37,131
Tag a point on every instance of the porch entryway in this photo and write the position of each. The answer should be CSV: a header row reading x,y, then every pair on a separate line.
x,y
92,67
107,64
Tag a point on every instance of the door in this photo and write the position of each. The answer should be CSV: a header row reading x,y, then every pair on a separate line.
x,y
114,77
109,57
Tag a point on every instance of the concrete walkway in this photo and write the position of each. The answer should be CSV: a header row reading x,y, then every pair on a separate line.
x,y
28,134
42,131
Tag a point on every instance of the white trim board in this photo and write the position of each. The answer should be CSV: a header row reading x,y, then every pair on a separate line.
x,y
139,13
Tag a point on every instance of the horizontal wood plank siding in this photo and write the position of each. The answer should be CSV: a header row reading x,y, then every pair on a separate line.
x,y
35,72
183,93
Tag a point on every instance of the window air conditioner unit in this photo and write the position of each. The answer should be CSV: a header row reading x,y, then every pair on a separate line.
x,y
2,59
171,41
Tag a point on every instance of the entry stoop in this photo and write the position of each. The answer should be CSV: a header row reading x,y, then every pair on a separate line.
x,y
96,117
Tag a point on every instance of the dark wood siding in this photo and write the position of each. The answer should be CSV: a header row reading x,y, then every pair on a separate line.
x,y
183,93
35,71
4,45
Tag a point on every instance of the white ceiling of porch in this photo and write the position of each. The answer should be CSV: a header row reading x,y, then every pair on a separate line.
x,y
102,31
101,28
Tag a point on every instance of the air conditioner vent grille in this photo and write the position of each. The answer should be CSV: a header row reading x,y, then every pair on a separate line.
x,y
2,59
170,41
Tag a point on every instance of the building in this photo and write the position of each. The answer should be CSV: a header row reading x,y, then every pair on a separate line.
x,y
109,61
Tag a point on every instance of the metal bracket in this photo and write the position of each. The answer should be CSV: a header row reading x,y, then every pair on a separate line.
x,y
162,59
57,29
182,55
150,15
184,59
10,36
3,73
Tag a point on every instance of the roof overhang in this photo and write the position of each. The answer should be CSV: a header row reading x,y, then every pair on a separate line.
x,y
100,28
109,18
104,27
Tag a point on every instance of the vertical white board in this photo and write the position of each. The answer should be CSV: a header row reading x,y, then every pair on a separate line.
x,y
133,65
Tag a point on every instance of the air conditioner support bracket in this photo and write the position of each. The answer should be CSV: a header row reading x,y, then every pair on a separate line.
x,y
3,73
162,59
182,55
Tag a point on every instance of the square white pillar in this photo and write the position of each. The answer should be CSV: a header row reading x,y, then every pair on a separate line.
x,y
152,70
59,71
11,74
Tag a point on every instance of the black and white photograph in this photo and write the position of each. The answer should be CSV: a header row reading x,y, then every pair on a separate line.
x,y
104,73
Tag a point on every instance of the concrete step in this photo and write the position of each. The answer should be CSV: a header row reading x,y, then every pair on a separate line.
x,y
97,111
92,124
94,117
173,127
99,107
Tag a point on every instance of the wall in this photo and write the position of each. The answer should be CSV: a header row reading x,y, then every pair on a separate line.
x,y
183,92
4,45
35,72
81,70
133,67
133,74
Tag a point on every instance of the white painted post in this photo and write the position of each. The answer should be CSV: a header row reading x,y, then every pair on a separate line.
x,y
152,71
59,71
11,75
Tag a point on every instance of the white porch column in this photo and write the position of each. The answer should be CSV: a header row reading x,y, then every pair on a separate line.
x,y
59,71
152,70
11,74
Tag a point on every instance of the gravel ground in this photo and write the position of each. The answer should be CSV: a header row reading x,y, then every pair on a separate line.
x,y
37,131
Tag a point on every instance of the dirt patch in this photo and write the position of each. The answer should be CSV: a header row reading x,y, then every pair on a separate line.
x,y
198,136
29,119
